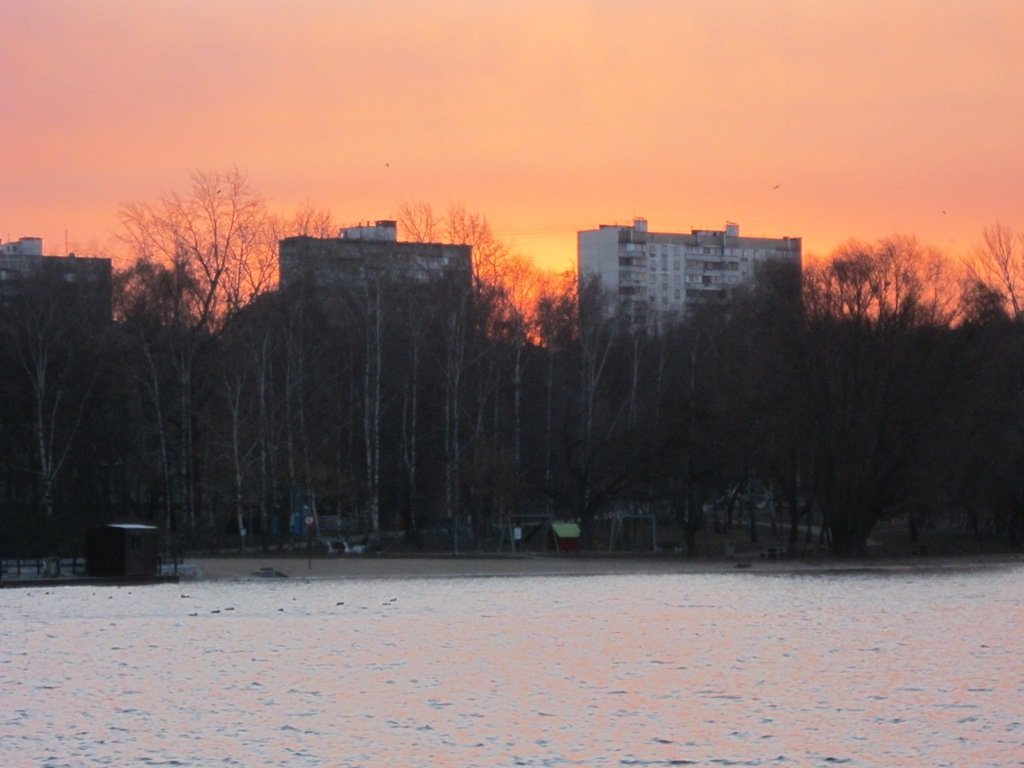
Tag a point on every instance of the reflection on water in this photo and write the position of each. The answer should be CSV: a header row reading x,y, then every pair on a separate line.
x,y
732,669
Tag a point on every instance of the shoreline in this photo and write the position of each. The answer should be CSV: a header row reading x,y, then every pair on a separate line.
x,y
261,567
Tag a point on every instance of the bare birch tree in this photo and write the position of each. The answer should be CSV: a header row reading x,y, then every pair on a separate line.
x,y
216,245
50,342
373,323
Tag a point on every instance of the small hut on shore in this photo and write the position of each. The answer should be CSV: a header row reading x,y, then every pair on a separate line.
x,y
125,550
565,536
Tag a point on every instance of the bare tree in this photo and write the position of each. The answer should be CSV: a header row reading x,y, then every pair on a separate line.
x,y
312,220
415,317
875,372
218,252
557,330
589,444
521,294
246,427
50,340
218,234
489,253
418,223
453,367
372,316
146,307
998,265
237,384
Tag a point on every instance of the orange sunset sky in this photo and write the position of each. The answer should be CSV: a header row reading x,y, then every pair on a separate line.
x,y
821,119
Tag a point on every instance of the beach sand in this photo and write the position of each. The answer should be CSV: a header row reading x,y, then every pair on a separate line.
x,y
369,567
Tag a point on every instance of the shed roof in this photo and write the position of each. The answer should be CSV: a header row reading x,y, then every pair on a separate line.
x,y
565,530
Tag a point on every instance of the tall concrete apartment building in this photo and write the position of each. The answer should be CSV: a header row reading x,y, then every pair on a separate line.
x,y
83,279
371,251
654,276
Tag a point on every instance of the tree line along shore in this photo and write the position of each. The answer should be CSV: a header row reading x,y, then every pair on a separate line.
x,y
877,395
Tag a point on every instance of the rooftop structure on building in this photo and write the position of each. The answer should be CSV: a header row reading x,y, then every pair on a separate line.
x,y
370,251
22,265
653,276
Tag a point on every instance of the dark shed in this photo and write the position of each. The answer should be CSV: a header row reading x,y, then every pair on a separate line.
x,y
121,549
565,537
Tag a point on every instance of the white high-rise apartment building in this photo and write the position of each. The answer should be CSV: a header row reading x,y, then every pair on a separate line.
x,y
657,275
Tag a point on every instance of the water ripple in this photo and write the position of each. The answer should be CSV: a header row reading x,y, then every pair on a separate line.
x,y
735,670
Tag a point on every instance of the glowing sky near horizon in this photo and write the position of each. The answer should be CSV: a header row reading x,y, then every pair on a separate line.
x,y
826,120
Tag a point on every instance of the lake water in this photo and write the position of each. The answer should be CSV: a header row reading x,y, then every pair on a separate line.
x,y
861,669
